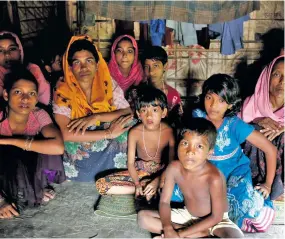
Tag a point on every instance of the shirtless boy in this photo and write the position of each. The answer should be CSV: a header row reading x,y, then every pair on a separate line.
x,y
147,143
203,187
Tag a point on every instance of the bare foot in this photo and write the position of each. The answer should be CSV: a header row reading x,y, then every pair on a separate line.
x,y
49,194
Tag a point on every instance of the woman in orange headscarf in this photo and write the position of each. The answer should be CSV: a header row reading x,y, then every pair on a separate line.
x,y
93,116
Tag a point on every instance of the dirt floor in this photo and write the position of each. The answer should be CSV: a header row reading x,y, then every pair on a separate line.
x,y
71,215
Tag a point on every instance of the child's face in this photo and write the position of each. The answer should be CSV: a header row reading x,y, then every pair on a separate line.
x,y
154,70
9,53
125,55
151,116
193,150
23,97
215,106
56,64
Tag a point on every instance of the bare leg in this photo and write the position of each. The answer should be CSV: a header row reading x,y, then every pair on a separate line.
x,y
121,190
228,232
150,221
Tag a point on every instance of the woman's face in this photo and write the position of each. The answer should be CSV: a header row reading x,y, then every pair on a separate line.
x,y
9,53
125,55
276,87
84,65
22,98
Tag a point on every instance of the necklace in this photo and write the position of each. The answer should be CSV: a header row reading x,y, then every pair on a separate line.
x,y
157,144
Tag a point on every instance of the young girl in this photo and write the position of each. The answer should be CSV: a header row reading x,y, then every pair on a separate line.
x,y
124,65
28,162
250,208
12,55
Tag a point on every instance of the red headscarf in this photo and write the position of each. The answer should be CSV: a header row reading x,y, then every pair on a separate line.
x,y
136,73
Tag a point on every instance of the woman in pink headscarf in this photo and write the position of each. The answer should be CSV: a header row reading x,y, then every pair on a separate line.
x,y
11,55
265,109
124,65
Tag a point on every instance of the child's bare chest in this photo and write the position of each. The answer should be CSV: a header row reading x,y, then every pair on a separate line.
x,y
151,148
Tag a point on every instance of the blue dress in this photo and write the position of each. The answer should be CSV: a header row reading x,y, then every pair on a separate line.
x,y
245,204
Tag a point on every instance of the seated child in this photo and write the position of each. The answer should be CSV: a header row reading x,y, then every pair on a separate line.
x,y
51,62
250,206
202,185
155,64
30,147
148,140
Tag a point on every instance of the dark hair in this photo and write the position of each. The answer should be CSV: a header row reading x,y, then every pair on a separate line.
x,y
149,95
19,73
80,45
124,39
227,88
8,36
201,127
155,53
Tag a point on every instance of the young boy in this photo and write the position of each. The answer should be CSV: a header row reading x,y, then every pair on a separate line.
x,y
147,143
155,65
202,185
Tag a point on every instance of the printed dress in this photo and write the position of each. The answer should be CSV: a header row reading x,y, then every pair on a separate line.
x,y
84,160
247,207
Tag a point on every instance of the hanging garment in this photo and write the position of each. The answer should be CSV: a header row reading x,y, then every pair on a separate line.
x,y
231,34
185,32
157,31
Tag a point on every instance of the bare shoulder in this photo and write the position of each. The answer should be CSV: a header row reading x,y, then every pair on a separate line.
x,y
175,165
215,175
136,128
165,127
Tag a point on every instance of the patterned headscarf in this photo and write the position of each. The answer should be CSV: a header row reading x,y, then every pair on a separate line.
x,y
136,73
258,105
70,94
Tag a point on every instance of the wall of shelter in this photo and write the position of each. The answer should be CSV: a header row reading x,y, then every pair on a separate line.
x,y
190,66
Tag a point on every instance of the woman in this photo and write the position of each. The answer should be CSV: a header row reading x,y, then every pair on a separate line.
x,y
124,65
265,109
12,55
92,117
30,147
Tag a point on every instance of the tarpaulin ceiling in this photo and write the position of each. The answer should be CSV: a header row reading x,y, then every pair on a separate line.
x,y
202,12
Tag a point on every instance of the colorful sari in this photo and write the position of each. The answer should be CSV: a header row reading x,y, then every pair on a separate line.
x,y
84,160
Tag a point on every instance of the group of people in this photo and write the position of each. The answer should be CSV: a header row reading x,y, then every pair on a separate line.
x,y
225,163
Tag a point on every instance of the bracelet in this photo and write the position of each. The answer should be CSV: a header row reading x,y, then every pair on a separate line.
x,y
28,143
137,183
108,132
31,140
268,188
